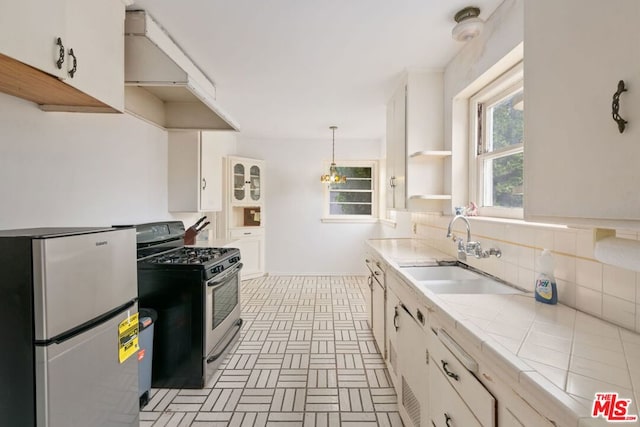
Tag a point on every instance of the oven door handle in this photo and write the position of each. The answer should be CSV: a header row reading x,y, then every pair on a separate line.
x,y
219,280
213,358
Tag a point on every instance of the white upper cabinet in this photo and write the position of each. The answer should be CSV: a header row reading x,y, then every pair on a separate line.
x,y
29,31
247,181
195,170
415,143
210,173
396,150
95,32
425,141
50,49
579,168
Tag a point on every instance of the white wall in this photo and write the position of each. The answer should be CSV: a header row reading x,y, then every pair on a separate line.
x,y
296,240
74,169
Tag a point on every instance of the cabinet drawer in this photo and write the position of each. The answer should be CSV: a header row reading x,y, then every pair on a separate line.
x,y
376,268
447,407
409,299
477,398
242,232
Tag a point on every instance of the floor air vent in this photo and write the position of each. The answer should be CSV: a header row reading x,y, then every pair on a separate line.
x,y
410,403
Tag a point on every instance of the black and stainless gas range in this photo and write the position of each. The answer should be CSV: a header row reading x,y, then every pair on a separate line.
x,y
196,292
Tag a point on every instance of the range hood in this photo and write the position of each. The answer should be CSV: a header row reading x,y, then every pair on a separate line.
x,y
162,85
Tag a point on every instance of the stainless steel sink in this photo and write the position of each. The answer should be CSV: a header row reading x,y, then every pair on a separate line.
x,y
456,280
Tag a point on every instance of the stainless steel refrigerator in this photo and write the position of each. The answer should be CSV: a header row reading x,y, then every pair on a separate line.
x,y
67,296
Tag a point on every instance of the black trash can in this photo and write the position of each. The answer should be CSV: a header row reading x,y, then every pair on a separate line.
x,y
146,320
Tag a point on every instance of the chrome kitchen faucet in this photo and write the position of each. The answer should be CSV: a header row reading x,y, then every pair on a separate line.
x,y
470,247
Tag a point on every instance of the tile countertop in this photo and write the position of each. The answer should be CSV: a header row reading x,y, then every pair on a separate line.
x,y
408,252
556,356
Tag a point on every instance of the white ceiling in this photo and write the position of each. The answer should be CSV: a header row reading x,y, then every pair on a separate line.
x,y
292,68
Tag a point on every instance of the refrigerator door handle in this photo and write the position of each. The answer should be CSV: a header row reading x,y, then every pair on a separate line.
x,y
67,335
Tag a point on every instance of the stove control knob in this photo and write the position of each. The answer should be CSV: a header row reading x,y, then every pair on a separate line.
x,y
234,259
217,269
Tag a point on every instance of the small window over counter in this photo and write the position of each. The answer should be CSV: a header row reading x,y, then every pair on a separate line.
x,y
497,146
355,199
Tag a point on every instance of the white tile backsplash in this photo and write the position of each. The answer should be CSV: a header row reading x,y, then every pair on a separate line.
x,y
526,279
526,258
619,283
589,274
564,241
619,311
584,243
565,267
607,292
526,235
589,301
544,239
566,292
511,273
510,253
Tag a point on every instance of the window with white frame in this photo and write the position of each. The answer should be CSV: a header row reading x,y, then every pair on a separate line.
x,y
497,146
355,199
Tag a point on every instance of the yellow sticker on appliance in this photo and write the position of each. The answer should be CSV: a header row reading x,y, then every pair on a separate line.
x,y
128,338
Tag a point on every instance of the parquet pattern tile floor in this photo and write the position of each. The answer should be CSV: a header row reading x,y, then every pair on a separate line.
x,y
306,357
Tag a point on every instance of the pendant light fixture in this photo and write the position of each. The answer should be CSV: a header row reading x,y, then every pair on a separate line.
x,y
333,177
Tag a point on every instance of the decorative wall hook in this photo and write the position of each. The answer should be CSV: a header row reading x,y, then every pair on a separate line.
x,y
615,107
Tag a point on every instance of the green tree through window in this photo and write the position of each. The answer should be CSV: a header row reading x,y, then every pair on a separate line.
x,y
355,197
506,175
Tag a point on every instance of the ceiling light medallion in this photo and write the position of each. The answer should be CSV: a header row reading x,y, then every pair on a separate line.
x,y
333,177
468,24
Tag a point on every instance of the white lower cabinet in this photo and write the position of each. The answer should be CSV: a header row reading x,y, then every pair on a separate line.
x,y
251,245
377,313
392,319
408,355
367,300
464,399
513,411
447,407
413,361
441,378
376,302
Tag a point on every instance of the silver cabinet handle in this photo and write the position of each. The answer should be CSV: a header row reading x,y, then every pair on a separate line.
x,y
204,184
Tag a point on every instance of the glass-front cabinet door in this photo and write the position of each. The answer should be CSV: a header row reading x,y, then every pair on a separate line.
x,y
248,181
238,182
254,186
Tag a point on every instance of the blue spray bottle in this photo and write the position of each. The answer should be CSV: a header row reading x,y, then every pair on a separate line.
x,y
546,290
